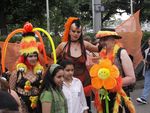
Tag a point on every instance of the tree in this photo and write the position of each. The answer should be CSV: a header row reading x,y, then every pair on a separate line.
x,y
145,15
20,11
16,12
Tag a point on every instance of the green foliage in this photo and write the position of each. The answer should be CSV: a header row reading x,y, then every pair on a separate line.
x,y
17,12
145,15
146,35
13,39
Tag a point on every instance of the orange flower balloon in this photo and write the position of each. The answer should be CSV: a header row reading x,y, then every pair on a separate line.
x,y
104,74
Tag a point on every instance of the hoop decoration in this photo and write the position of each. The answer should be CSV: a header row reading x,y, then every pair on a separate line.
x,y
6,44
51,41
28,28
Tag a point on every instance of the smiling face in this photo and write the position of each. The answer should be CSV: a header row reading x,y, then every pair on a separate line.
x,y
32,58
59,77
75,32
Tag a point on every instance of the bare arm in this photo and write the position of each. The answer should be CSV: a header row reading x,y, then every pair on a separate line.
x,y
46,107
128,69
59,49
90,47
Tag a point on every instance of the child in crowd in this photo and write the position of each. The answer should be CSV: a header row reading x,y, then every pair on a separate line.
x,y
73,90
52,98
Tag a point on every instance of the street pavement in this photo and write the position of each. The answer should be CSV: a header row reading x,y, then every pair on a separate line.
x,y
140,108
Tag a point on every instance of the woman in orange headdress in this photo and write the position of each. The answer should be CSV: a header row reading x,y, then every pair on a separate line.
x,y
74,48
26,79
118,56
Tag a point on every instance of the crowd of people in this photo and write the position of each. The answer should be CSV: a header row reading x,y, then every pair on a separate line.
x,y
64,87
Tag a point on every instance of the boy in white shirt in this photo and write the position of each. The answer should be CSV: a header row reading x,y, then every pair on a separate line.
x,y
73,90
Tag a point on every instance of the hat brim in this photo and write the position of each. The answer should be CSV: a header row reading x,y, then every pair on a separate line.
x,y
114,36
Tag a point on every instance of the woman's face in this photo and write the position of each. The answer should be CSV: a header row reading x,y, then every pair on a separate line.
x,y
59,77
75,32
106,42
32,59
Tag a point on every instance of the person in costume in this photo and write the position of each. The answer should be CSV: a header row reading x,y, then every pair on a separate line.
x,y
73,48
51,97
26,79
146,72
114,62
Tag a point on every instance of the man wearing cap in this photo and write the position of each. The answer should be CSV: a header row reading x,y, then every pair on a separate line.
x,y
113,50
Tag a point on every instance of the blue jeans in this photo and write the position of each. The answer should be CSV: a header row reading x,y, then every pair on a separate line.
x,y
146,90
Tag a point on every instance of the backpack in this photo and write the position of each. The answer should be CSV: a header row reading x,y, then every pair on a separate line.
x,y
131,87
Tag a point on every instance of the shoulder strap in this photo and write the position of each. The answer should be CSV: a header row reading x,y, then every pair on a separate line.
x,y
119,54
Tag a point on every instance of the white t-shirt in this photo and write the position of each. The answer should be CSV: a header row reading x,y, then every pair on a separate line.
x,y
75,96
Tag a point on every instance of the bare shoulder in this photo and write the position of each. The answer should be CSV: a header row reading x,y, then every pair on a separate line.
x,y
124,52
62,45
125,55
86,43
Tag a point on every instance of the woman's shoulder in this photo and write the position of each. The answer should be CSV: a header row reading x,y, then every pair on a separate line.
x,y
123,52
46,95
62,44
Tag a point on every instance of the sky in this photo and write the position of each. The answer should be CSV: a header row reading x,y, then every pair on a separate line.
x,y
123,16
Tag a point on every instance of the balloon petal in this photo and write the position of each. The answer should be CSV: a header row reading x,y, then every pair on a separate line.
x,y
94,70
97,83
114,71
109,83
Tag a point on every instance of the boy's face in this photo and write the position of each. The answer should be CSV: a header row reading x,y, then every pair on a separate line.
x,y
68,71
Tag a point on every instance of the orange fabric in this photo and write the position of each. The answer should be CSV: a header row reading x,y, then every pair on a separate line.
x,y
130,31
67,28
97,102
127,101
12,55
88,90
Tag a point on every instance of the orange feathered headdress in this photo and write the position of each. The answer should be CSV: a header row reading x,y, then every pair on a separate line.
x,y
28,43
104,34
67,28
